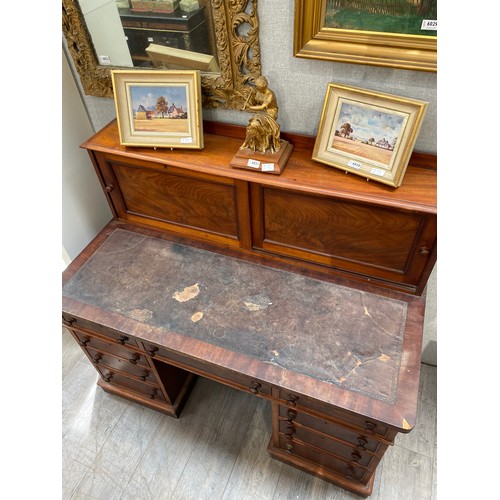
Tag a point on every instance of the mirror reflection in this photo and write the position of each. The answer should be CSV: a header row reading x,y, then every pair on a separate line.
x,y
171,34
100,38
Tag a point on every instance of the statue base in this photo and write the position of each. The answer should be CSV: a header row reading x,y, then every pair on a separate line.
x,y
268,163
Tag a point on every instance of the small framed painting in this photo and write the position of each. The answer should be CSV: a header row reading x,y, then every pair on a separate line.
x,y
368,133
158,108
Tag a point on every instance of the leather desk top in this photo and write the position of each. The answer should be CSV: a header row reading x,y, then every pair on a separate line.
x,y
343,337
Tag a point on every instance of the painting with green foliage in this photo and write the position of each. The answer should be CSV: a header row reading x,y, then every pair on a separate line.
x,y
385,16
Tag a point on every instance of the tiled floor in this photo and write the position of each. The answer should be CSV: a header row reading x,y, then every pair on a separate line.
x,y
115,449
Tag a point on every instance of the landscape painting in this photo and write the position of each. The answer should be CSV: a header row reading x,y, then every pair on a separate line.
x,y
385,16
367,132
159,108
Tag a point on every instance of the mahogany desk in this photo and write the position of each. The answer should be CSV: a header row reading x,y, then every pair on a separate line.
x,y
339,365
199,274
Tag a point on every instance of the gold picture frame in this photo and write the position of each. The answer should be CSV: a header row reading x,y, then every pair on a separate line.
x,y
159,108
368,133
313,40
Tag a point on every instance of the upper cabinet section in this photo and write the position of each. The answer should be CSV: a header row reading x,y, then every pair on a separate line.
x,y
313,217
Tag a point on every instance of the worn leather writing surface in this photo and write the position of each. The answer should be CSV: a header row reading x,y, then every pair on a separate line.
x,y
332,333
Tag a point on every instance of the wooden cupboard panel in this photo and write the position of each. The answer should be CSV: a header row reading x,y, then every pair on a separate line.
x,y
201,203
385,243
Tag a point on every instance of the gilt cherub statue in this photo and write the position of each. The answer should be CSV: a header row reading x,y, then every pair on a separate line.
x,y
263,130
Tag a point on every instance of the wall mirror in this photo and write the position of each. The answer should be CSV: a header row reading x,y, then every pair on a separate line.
x,y
219,37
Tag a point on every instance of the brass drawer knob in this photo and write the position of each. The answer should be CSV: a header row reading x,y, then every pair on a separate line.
x,y
84,341
292,415
110,188
152,394
69,322
370,427
134,358
152,351
108,377
362,442
291,401
97,358
355,456
424,251
122,339
254,387
289,447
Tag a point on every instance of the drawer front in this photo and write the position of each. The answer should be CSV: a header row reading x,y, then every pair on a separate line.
x,y
115,337
345,468
217,373
388,244
366,426
111,347
150,391
325,442
360,440
130,365
193,205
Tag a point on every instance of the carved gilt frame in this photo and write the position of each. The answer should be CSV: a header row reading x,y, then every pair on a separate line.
x,y
313,40
237,39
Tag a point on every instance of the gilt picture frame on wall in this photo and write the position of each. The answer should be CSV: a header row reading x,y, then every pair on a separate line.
x,y
368,133
391,33
158,108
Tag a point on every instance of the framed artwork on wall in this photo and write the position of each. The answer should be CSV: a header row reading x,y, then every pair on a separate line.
x,y
158,108
392,33
368,133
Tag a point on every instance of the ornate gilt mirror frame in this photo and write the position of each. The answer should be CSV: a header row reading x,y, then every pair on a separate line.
x,y
236,29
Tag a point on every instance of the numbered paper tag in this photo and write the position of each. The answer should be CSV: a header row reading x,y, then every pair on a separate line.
x,y
268,167
429,24
377,171
104,60
253,163
186,140
354,164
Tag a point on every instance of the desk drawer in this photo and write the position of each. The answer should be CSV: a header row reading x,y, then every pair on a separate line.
x,y
213,372
293,433
112,377
114,336
130,365
319,458
360,440
367,426
87,340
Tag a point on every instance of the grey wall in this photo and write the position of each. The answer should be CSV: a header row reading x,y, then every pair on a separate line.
x,y
300,86
85,210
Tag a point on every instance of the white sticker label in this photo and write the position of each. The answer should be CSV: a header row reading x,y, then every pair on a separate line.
x,y
186,140
104,60
253,163
354,164
377,171
268,167
429,24
150,39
